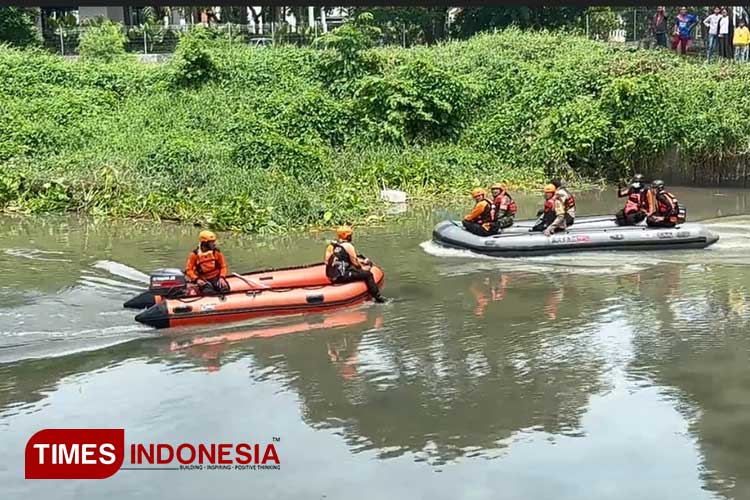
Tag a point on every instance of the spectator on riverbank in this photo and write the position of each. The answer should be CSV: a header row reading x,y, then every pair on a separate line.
x,y
660,27
741,41
684,24
725,40
712,23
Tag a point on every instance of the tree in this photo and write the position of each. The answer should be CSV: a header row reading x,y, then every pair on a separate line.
x,y
349,57
472,20
103,41
17,27
193,64
422,24
151,29
601,21
233,14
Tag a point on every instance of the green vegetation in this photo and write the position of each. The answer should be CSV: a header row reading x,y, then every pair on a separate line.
x,y
17,27
271,139
103,41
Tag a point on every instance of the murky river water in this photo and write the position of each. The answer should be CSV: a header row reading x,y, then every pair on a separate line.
x,y
605,375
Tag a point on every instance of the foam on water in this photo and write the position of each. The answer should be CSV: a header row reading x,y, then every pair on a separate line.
x,y
432,248
20,345
122,270
591,263
98,281
91,333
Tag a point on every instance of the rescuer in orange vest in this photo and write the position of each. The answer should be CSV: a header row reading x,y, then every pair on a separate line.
x,y
504,208
638,206
206,265
479,220
554,214
667,211
344,265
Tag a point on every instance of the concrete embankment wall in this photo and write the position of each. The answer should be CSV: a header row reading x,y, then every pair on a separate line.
x,y
721,170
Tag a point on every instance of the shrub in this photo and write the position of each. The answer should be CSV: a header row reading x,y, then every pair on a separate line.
x,y
104,41
420,99
193,63
348,57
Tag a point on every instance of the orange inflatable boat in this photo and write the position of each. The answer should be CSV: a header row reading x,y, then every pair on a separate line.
x,y
171,283
237,306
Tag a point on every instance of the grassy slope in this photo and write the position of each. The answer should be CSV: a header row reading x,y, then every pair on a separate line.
x,y
267,145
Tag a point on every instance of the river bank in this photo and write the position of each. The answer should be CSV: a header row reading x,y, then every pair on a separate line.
x,y
249,140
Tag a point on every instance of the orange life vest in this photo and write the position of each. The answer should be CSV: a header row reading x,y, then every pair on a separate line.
x,y
501,204
486,216
549,205
667,205
636,202
207,265
570,201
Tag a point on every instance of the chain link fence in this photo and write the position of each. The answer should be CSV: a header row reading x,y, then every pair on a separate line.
x,y
635,27
162,39
631,27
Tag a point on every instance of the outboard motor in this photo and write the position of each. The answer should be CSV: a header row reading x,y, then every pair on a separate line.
x,y
167,283
681,214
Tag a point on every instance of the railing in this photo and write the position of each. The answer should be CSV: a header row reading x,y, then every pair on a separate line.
x,y
631,27
634,27
161,39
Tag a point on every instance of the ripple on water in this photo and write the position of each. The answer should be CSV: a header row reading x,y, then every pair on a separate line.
x,y
36,254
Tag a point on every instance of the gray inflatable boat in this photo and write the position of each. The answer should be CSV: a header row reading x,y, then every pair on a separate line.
x,y
587,234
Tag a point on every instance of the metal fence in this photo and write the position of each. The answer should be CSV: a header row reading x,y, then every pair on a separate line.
x,y
631,27
162,39
635,26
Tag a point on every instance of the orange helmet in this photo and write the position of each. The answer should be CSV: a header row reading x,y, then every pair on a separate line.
x,y
206,236
497,185
550,188
477,192
344,233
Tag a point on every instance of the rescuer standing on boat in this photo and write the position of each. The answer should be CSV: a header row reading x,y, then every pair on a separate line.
x,y
344,265
206,265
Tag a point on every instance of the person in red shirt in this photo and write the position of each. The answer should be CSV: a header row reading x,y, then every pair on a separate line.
x,y
206,265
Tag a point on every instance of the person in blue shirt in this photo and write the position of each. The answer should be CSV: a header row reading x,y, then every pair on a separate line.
x,y
684,24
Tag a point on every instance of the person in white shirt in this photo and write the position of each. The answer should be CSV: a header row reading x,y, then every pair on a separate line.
x,y
712,22
725,43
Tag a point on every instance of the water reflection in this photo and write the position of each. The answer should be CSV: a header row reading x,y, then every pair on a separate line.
x,y
565,365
